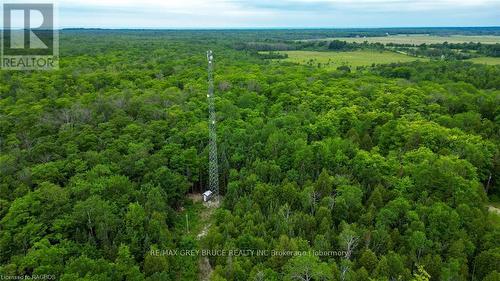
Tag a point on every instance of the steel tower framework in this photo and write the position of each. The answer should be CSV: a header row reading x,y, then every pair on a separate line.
x,y
213,166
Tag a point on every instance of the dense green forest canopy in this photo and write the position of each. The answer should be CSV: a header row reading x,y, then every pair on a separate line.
x,y
394,164
297,34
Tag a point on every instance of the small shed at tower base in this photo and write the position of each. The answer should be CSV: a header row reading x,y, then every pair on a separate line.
x,y
207,195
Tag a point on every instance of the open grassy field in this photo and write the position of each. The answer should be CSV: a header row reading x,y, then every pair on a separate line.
x,y
419,39
352,59
487,60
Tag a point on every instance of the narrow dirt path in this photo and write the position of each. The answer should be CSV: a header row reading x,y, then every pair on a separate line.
x,y
204,267
494,209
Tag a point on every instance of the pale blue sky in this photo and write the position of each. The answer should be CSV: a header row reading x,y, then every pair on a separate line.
x,y
269,13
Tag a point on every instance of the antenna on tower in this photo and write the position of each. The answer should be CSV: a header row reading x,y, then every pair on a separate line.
x,y
213,166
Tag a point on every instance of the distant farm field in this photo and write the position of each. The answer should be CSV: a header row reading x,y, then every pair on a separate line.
x,y
486,60
419,39
352,59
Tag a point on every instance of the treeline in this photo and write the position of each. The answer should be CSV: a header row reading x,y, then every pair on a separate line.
x,y
442,51
334,45
492,50
481,76
273,55
457,51
234,35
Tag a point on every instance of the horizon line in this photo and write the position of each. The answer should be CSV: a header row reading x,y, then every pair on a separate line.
x,y
274,28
